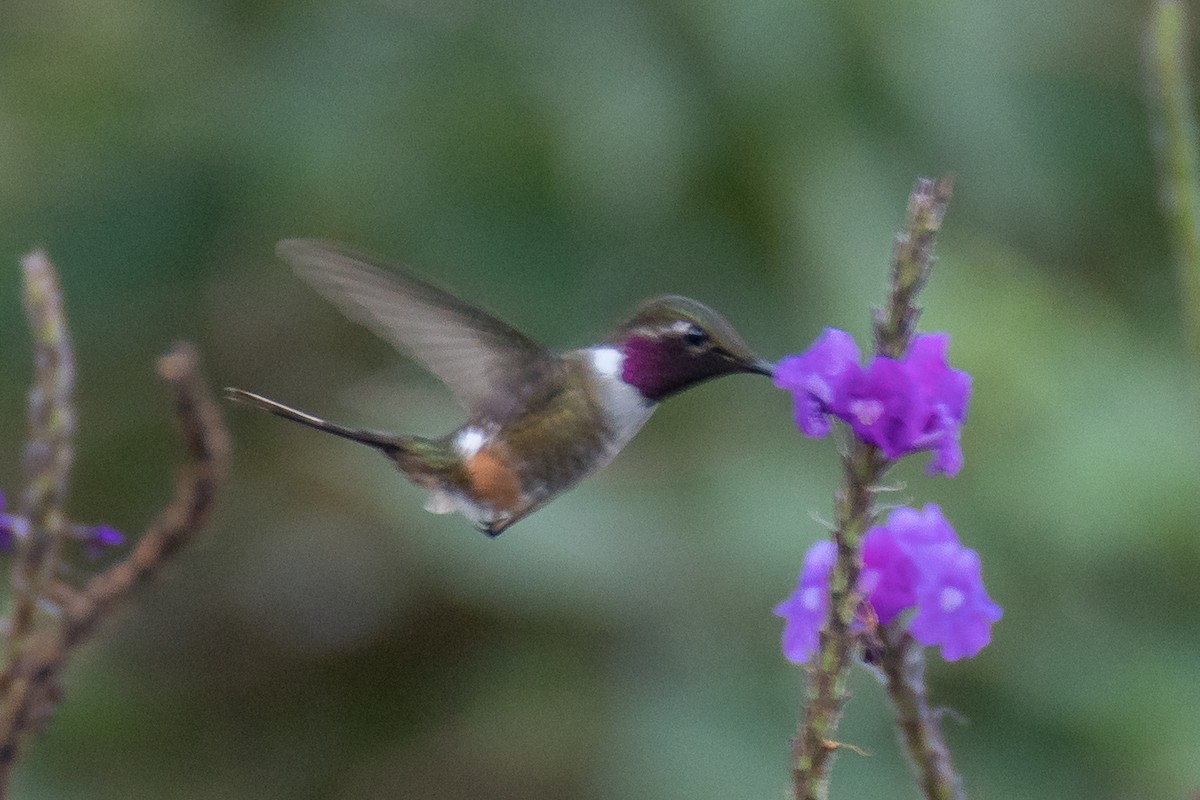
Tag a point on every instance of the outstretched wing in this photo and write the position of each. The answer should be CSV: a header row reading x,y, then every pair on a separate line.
x,y
490,366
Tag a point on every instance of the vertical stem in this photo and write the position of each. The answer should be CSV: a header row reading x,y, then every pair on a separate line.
x,y
827,674
1173,129
903,665
32,682
863,467
912,261
49,451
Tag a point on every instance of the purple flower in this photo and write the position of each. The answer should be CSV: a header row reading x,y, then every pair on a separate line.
x,y
944,394
96,538
915,560
893,555
899,405
804,611
12,528
888,576
953,609
921,529
814,378
879,403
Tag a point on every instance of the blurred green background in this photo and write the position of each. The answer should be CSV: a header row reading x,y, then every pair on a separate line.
x,y
556,162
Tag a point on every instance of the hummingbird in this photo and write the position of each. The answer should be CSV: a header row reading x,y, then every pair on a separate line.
x,y
538,422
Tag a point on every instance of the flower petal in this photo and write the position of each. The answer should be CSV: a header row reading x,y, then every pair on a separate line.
x,y
953,608
814,378
804,610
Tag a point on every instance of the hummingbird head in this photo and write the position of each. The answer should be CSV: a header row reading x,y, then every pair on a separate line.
x,y
672,343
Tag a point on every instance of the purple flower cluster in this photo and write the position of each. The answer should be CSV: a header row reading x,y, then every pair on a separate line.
x,y
901,406
915,561
95,538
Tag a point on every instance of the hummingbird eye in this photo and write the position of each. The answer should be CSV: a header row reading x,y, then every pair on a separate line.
x,y
695,336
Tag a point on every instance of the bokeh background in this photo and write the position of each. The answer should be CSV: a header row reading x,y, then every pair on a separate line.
x,y
556,162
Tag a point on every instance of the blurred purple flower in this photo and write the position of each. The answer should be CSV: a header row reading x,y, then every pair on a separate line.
x,y
97,538
804,611
944,394
899,405
888,578
814,378
953,609
12,528
915,560
879,404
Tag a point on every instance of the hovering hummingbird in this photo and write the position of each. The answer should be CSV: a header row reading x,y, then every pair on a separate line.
x,y
538,422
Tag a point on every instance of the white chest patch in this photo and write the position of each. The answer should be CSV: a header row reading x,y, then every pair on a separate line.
x,y
627,409
607,361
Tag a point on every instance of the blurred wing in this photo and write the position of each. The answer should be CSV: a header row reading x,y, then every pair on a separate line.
x,y
484,361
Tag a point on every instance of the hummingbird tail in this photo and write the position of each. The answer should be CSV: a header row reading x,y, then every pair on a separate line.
x,y
388,444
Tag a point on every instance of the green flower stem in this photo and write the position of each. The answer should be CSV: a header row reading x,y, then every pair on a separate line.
x,y
49,451
863,469
903,666
827,673
912,261
1173,127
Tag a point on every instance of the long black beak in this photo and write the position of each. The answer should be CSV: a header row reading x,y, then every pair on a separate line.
x,y
761,367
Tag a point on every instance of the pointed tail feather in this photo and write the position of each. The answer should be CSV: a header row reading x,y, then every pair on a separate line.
x,y
388,444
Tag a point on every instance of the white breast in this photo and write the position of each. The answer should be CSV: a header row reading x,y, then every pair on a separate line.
x,y
626,409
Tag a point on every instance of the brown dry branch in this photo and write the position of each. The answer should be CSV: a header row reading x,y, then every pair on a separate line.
x,y
49,449
32,682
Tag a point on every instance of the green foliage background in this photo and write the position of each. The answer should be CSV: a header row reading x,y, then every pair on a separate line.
x,y
557,161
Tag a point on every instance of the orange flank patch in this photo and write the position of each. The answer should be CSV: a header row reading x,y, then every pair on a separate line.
x,y
493,482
